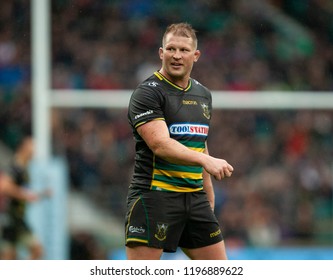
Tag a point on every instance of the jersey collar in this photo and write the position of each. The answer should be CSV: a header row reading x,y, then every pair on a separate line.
x,y
163,78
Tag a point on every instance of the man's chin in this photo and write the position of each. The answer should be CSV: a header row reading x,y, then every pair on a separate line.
x,y
178,74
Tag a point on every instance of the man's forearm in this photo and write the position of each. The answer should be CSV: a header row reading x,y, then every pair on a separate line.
x,y
175,152
208,184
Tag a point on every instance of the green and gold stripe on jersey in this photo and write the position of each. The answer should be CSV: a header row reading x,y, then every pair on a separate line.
x,y
177,181
178,178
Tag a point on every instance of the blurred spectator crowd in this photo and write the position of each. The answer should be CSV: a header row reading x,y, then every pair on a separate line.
x,y
246,45
281,190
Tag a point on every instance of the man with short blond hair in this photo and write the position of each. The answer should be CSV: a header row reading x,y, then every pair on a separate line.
x,y
171,197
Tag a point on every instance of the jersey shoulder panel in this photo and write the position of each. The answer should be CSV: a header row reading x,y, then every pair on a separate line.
x,y
201,88
146,102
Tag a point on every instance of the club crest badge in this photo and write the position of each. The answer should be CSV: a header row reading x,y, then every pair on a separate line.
x,y
206,111
161,231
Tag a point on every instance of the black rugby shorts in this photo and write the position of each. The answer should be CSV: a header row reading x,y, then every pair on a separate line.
x,y
168,220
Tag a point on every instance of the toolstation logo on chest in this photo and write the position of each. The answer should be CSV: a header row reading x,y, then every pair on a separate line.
x,y
187,128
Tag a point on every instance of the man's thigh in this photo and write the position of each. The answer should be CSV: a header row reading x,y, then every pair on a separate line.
x,y
143,253
202,228
212,252
155,219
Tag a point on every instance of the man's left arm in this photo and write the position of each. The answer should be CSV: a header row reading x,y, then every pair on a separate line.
x,y
208,184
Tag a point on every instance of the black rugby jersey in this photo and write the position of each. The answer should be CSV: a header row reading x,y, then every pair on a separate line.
x,y
187,113
20,177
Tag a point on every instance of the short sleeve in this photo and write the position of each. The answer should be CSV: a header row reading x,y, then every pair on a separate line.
x,y
145,105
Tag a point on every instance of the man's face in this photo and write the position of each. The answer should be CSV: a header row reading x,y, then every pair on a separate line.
x,y
178,55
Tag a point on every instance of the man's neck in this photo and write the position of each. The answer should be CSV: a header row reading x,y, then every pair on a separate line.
x,y
181,82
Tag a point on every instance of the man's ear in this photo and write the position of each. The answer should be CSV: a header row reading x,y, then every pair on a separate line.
x,y
160,52
197,55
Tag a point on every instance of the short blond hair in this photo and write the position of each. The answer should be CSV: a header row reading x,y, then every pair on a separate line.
x,y
181,29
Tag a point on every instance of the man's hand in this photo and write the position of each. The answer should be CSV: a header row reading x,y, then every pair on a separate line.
x,y
30,196
218,168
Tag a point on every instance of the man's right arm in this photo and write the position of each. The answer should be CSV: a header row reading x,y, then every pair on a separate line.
x,y
156,135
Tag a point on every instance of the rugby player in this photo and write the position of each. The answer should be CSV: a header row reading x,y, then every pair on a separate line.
x,y
171,196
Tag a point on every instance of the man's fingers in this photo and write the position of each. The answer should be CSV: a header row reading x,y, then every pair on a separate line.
x,y
227,172
222,175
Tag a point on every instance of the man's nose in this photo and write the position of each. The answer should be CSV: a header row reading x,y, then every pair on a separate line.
x,y
177,54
